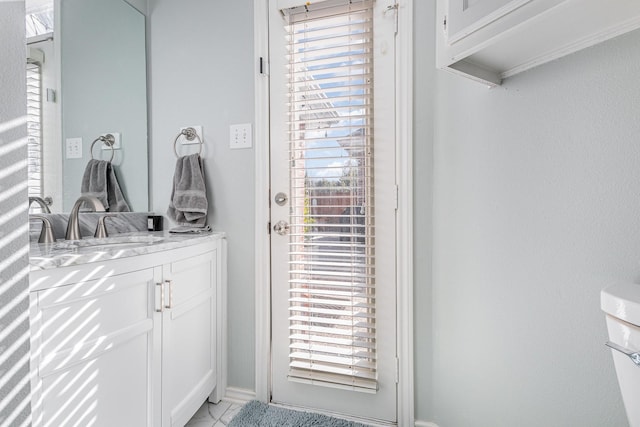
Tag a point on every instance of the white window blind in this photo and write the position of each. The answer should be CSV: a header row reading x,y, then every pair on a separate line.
x,y
34,130
39,17
331,248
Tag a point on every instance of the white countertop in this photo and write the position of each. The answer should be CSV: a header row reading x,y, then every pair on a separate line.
x,y
67,253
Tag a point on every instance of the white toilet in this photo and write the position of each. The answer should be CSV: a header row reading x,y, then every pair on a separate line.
x,y
621,303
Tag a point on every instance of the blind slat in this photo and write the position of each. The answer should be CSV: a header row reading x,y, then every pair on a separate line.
x,y
352,323
335,111
361,347
334,265
330,283
364,343
333,381
333,369
329,92
328,314
325,63
328,292
362,355
353,363
334,302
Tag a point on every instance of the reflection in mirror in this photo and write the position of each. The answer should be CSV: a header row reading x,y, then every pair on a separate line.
x,y
44,159
88,79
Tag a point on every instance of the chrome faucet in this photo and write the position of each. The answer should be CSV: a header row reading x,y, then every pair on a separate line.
x,y
101,228
46,234
73,226
41,202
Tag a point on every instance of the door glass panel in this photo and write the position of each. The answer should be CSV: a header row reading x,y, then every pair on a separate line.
x,y
332,235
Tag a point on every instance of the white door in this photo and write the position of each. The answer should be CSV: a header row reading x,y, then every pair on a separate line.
x,y
333,206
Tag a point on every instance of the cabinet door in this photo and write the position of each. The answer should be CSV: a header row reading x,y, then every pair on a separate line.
x,y
93,352
466,16
188,336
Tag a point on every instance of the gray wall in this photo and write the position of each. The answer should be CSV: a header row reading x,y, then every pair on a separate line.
x,y
423,104
104,89
140,5
201,73
14,297
536,209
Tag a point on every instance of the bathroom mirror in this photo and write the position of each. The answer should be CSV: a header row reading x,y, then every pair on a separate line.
x,y
93,82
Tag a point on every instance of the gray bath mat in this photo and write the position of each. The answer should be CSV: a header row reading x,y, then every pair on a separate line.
x,y
258,414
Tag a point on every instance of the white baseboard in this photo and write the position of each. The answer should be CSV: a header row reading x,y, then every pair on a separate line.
x,y
239,395
425,424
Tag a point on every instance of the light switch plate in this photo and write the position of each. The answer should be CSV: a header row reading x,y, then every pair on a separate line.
x,y
73,148
116,145
240,136
51,95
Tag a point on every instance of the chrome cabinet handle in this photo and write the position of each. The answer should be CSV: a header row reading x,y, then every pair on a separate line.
x,y
633,355
170,283
161,309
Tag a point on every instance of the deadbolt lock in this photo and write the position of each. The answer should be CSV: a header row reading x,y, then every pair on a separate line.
x,y
281,199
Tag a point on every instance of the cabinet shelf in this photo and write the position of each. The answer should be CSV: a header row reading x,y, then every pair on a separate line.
x,y
516,35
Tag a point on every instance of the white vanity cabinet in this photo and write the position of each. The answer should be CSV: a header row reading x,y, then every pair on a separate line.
x,y
135,341
489,40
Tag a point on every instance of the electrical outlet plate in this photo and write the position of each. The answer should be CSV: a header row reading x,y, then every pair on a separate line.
x,y
184,141
240,136
73,148
116,145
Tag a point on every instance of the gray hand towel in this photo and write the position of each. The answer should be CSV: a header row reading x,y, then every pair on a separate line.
x,y
94,181
99,180
117,202
188,204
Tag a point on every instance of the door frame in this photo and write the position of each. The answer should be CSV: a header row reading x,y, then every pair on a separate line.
x,y
404,215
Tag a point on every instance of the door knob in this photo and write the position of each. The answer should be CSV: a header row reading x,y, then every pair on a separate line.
x,y
281,227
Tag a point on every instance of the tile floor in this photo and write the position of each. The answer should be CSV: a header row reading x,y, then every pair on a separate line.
x,y
214,415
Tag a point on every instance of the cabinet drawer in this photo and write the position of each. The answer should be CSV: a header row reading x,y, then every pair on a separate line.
x,y
79,319
191,277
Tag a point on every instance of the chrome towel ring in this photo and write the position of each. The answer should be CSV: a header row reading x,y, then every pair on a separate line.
x,y
190,134
108,139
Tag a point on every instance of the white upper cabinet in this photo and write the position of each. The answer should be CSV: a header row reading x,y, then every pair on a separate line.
x,y
466,16
489,40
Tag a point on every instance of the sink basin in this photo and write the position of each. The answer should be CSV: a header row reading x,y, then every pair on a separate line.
x,y
110,245
108,242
